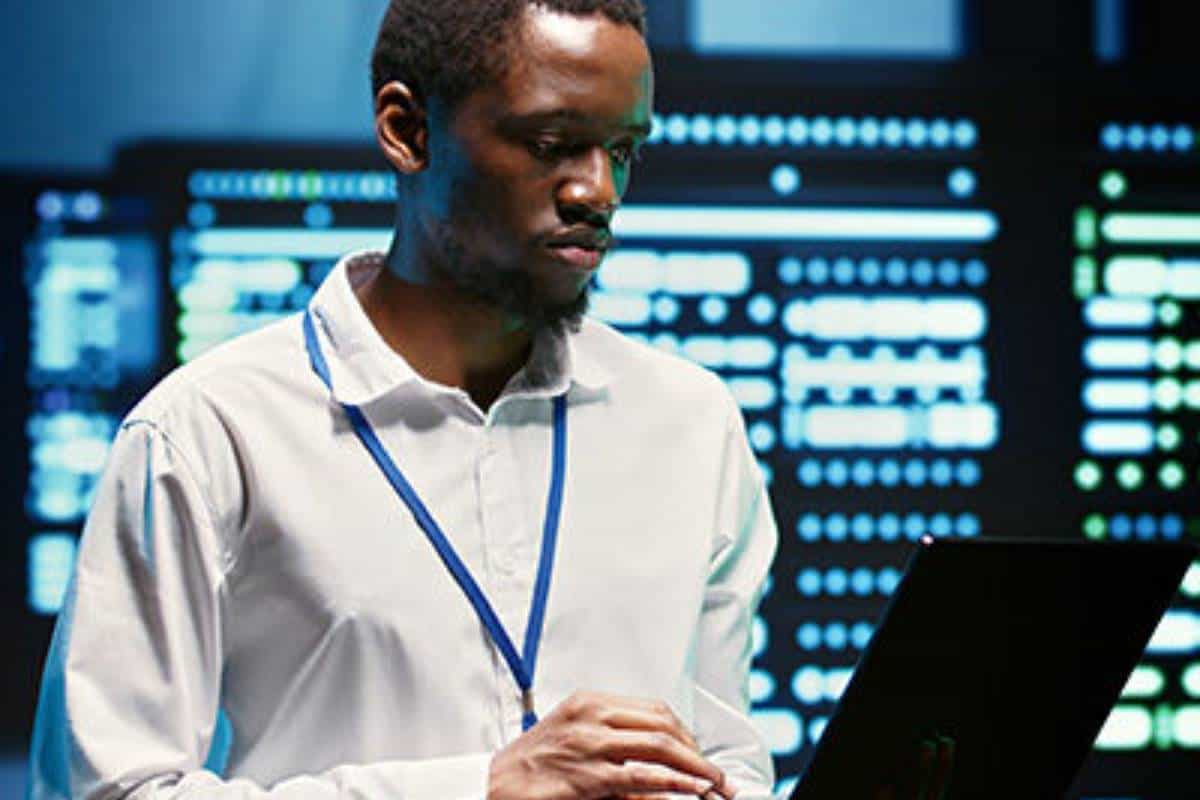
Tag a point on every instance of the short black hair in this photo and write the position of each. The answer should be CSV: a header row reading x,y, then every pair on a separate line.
x,y
446,49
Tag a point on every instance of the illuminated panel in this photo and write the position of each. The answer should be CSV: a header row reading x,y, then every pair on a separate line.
x,y
94,346
1136,277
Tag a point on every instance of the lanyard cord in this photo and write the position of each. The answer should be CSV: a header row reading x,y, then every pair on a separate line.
x,y
522,668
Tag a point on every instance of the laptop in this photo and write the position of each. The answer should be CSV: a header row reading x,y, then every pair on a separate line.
x,y
1016,649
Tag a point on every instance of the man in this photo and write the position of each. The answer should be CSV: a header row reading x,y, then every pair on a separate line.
x,y
331,529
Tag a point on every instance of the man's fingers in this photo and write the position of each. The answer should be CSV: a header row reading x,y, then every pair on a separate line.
x,y
637,777
657,747
647,720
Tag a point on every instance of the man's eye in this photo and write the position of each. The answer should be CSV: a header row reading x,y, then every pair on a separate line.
x,y
546,148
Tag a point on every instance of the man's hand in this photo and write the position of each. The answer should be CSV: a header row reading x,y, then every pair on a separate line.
x,y
596,746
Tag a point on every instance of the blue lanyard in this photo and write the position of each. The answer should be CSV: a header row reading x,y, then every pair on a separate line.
x,y
522,667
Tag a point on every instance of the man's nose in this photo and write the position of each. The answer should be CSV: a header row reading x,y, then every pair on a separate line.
x,y
589,190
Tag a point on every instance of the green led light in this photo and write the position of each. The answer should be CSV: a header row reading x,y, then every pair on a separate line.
x,y
1128,727
1129,475
1144,228
1168,354
1191,588
1113,185
310,184
1191,395
1191,355
1085,228
1085,277
1095,527
1171,475
1169,313
1168,437
1145,681
1168,394
1088,475
1164,727
1191,679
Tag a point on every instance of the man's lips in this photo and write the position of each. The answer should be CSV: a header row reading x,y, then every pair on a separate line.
x,y
582,248
576,256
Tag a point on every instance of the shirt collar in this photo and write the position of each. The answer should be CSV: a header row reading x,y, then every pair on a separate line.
x,y
363,367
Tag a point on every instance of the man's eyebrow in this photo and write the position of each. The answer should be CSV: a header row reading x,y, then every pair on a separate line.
x,y
568,116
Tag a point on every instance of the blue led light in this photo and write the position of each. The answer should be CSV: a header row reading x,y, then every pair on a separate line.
x,y
817,270
1135,137
948,272
844,271
714,310
869,132
1112,137
836,527
846,131
785,180
750,130
941,473
87,206
914,526
201,214
940,133
797,131
975,272
790,270
862,581
656,129
761,309
702,129
917,133
808,582
940,525
1145,526
922,272
676,129
318,215
1183,139
893,132
808,636
50,206
915,473
1172,526
862,473
836,635
822,131
889,473
774,130
762,436
666,309
897,272
965,134
889,527
836,473
870,271
726,129
962,182
1120,526
968,473
887,580
862,527
836,582
809,473
860,635
808,685
1160,138
808,527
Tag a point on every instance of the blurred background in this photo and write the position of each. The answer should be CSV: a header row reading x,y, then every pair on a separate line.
x,y
966,300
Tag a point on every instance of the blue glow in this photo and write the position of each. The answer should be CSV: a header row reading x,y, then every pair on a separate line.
x,y
726,129
1184,139
774,130
822,131
797,131
898,318
1118,395
809,636
818,271
962,182
893,132
965,134
1118,353
1135,137
870,271
761,309
318,215
676,130
790,270
917,133
51,561
948,272
781,729
750,130
843,271
50,206
714,310
1112,137
1177,633
1118,437
666,309
922,272
1160,138
941,134
869,132
1111,312
703,129
785,180
846,131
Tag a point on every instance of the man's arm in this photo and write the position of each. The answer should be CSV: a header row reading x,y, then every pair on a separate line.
x,y
131,686
744,544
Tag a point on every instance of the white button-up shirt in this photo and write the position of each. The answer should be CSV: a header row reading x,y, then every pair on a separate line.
x,y
245,555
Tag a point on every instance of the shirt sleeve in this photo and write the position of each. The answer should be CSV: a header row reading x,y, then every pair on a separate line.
x,y
131,687
744,544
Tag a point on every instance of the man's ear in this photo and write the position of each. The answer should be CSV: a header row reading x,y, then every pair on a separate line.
x,y
401,128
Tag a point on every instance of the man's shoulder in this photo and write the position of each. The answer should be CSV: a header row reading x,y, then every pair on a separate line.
x,y
232,372
631,360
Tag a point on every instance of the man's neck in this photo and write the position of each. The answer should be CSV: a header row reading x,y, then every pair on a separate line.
x,y
446,336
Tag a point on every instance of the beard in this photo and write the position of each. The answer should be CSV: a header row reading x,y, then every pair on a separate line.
x,y
511,290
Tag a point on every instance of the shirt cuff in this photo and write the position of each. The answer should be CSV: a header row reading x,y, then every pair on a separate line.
x,y
456,778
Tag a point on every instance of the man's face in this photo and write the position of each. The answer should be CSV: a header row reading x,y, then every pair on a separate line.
x,y
524,175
